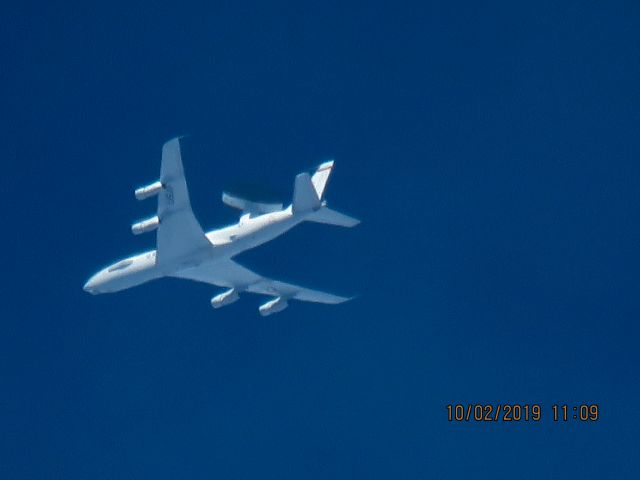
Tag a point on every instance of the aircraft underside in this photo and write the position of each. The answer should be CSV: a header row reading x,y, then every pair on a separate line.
x,y
185,251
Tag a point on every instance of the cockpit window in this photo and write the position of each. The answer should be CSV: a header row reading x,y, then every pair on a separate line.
x,y
120,265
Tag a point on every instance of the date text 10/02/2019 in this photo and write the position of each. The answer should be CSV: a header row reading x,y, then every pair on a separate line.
x,y
516,412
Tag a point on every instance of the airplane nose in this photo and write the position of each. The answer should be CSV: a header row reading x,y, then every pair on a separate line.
x,y
90,286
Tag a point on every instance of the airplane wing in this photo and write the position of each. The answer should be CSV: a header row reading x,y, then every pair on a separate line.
x,y
179,232
229,274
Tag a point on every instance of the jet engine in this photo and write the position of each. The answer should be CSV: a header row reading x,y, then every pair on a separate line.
x,y
225,298
148,191
273,306
148,225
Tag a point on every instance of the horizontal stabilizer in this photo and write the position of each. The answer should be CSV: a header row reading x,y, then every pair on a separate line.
x,y
332,217
321,177
247,206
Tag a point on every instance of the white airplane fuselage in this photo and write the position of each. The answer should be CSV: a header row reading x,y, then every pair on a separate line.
x,y
226,243
184,250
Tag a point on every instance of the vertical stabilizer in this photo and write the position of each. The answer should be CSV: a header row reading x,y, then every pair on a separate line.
x,y
305,197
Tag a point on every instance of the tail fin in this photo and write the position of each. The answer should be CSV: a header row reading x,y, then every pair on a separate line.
x,y
305,197
321,177
332,217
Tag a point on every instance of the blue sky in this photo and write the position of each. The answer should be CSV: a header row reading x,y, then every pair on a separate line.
x,y
491,152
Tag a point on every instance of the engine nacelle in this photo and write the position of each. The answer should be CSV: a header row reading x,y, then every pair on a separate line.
x,y
148,225
273,306
149,190
225,298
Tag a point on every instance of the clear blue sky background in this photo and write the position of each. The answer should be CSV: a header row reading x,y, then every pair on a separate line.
x,y
492,152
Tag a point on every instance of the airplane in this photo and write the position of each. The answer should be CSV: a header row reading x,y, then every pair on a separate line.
x,y
184,250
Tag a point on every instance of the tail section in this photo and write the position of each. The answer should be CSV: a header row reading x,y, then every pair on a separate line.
x,y
308,195
308,191
305,197
321,177
332,217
